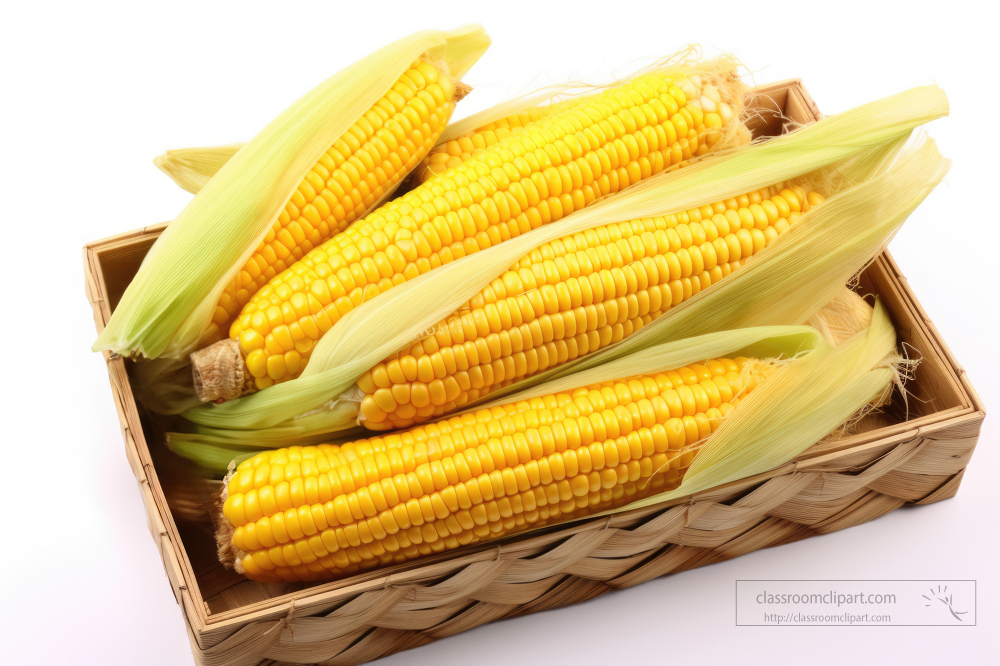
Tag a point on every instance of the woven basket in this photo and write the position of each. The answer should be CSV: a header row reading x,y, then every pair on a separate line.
x,y
895,459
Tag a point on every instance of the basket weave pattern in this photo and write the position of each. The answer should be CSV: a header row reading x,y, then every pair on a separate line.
x,y
916,458
798,501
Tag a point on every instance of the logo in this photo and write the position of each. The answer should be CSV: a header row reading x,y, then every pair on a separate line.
x,y
948,600
840,603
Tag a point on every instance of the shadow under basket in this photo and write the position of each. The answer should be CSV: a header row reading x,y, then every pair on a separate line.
x,y
912,455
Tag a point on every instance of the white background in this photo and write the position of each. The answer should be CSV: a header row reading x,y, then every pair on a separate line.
x,y
90,92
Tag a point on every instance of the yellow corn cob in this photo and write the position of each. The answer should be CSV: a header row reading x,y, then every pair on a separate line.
x,y
455,152
461,149
309,513
597,145
572,297
368,161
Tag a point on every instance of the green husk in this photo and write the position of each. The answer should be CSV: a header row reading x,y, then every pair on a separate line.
x,y
163,385
214,453
846,313
191,168
836,239
171,300
791,280
798,405
814,390
687,57
757,342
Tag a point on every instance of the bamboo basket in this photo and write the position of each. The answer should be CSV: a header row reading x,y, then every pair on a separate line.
x,y
893,460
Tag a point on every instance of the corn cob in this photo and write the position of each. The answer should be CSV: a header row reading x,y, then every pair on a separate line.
x,y
309,513
572,297
368,161
594,147
456,152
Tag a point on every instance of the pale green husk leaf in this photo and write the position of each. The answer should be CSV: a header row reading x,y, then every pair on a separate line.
x,y
171,300
211,452
798,405
791,280
191,168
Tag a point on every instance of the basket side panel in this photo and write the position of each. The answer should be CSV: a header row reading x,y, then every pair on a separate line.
x,y
601,557
108,267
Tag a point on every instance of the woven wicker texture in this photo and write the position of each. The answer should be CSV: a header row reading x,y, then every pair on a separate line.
x,y
911,457
583,561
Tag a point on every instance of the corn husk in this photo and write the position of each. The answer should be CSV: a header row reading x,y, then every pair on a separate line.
x,y
797,406
827,246
214,454
758,342
191,168
820,387
840,318
171,300
687,57
833,244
